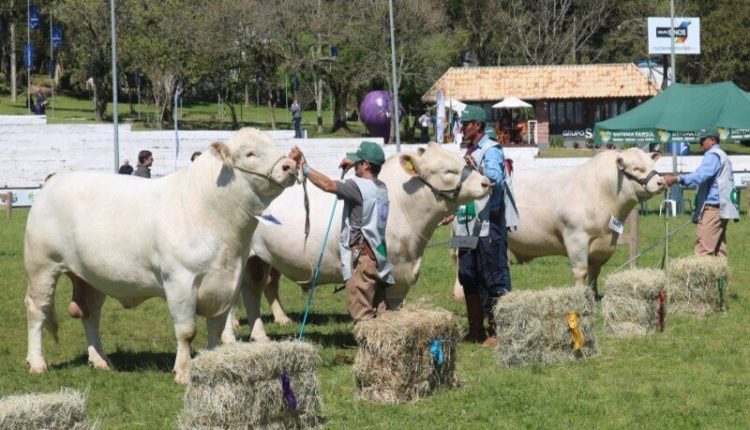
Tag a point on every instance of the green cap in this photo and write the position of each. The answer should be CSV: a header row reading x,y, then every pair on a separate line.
x,y
473,113
490,132
368,151
708,132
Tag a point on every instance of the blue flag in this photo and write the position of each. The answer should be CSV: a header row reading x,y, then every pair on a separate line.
x,y
34,18
57,36
295,83
28,56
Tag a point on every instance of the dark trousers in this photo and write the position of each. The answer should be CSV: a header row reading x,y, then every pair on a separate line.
x,y
425,137
484,270
297,127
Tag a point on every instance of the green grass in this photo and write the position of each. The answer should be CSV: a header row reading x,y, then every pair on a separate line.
x,y
694,375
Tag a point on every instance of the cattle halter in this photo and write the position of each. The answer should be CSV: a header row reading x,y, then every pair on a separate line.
x,y
642,181
268,175
449,194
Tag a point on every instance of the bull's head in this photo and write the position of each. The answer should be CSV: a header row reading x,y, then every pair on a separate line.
x,y
254,154
637,167
446,174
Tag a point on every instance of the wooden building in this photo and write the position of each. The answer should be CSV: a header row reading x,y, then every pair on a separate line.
x,y
567,99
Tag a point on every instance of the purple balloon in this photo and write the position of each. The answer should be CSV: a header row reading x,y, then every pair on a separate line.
x,y
375,111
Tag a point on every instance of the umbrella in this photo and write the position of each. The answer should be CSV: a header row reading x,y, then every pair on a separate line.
x,y
456,105
511,103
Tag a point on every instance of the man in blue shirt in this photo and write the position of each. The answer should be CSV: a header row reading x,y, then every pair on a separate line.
x,y
483,270
715,202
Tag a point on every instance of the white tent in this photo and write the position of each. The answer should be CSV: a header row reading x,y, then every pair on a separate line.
x,y
457,105
511,103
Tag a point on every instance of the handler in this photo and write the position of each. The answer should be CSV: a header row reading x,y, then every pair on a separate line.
x,y
483,262
364,263
716,202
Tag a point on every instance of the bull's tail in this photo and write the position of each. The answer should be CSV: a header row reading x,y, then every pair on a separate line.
x,y
40,306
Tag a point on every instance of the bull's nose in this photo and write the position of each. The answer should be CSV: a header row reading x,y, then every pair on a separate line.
x,y
289,165
486,183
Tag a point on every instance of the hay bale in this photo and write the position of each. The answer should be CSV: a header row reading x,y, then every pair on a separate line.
x,y
65,409
260,385
406,354
533,326
632,305
693,286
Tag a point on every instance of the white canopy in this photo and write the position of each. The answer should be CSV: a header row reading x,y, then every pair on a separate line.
x,y
511,103
456,105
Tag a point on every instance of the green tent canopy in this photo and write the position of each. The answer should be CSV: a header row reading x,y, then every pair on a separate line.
x,y
679,113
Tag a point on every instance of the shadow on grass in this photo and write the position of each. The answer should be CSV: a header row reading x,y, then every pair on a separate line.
x,y
129,361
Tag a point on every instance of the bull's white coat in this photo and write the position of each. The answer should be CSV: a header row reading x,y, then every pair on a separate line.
x,y
415,212
184,237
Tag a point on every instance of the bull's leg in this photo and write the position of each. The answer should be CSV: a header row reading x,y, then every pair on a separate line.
x,y
182,301
40,312
227,335
577,247
216,326
458,289
271,291
593,278
254,280
95,300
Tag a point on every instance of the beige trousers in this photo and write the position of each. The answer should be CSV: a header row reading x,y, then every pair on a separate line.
x,y
711,233
365,292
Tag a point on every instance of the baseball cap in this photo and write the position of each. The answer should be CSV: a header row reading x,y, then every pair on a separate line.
x,y
473,113
368,151
708,132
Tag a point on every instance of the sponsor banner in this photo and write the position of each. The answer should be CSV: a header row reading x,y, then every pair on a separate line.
x,y
687,35
578,134
22,197
664,136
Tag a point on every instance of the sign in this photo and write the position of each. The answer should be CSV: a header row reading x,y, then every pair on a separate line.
x,y
578,134
687,36
57,36
21,196
664,136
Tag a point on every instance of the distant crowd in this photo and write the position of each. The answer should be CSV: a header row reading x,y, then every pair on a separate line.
x,y
145,160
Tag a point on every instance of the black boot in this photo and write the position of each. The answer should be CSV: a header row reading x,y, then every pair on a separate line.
x,y
475,315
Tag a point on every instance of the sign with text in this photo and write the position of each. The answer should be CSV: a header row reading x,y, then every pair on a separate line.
x,y
687,36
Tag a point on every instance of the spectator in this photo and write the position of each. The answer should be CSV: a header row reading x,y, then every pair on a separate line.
x,y
145,160
126,168
297,118
424,126
195,155
41,103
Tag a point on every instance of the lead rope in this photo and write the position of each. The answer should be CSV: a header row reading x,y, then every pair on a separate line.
x,y
316,273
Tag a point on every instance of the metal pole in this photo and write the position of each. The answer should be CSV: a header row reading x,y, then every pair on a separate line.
x,y
52,67
671,30
177,92
114,83
28,42
393,75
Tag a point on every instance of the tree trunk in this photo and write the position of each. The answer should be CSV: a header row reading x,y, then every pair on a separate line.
x,y
100,102
340,94
13,79
319,103
272,108
233,110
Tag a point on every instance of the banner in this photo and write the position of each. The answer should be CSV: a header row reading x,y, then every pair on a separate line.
x,y
28,56
663,136
440,117
22,197
34,18
57,36
687,35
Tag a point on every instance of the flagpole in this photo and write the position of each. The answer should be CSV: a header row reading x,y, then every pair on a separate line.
x,y
52,66
114,83
393,74
28,43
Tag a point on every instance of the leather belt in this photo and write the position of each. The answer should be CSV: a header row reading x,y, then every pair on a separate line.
x,y
365,249
708,207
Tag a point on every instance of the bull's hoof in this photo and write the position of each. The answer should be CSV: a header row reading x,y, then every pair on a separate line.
x,y
77,311
37,367
283,320
182,377
228,338
235,323
100,363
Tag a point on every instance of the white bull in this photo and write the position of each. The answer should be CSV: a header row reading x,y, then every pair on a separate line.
x,y
568,211
184,237
416,209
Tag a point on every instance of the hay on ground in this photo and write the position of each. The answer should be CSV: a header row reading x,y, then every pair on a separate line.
x,y
693,286
633,303
248,385
534,326
407,354
62,410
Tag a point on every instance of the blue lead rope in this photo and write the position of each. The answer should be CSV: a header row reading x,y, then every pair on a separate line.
x,y
316,273
436,349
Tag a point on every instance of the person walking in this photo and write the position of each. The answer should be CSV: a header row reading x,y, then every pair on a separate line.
x,y
716,199
364,259
483,269
126,168
424,126
145,160
296,118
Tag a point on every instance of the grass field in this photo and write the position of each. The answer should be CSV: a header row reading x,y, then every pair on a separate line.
x,y
694,375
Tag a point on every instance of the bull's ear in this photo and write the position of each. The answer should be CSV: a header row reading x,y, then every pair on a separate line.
x,y
433,145
421,151
620,162
410,164
222,151
655,156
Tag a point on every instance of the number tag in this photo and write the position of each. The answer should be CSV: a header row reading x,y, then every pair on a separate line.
x,y
616,225
469,242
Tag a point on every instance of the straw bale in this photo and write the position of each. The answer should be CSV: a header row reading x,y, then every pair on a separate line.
x,y
631,302
65,409
239,386
532,326
693,285
394,362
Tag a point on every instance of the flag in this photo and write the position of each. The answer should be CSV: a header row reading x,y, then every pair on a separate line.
x,y
295,83
57,36
440,117
28,56
34,18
